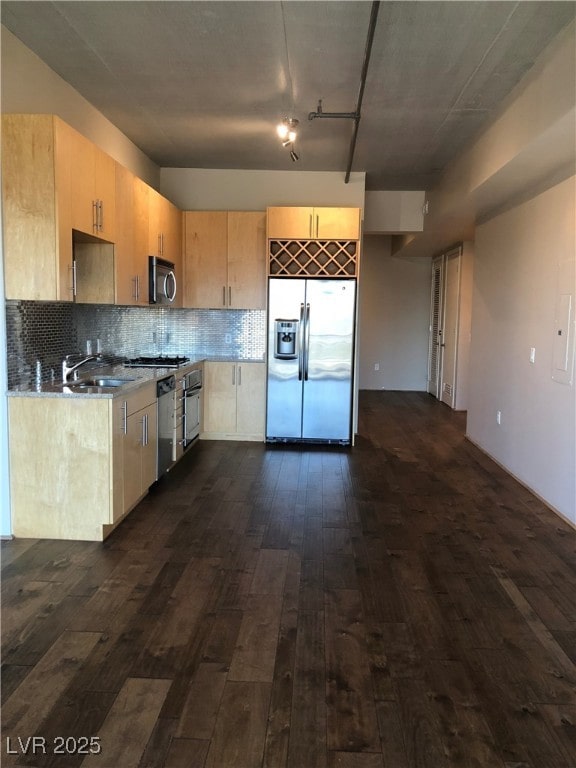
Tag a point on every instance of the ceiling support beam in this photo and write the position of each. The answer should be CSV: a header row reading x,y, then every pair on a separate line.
x,y
358,113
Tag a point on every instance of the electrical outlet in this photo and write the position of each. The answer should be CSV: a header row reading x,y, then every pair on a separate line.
x,y
376,366
532,354
228,338
498,417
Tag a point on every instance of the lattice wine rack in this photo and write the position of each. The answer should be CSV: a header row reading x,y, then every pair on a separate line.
x,y
313,258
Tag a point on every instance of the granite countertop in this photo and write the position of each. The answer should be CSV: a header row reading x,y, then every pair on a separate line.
x,y
134,378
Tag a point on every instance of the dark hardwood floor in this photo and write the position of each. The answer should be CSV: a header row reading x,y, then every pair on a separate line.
x,y
403,604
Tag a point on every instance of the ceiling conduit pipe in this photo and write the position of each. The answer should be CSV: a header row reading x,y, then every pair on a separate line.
x,y
357,115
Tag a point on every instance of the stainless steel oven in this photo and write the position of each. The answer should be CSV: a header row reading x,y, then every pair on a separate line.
x,y
191,407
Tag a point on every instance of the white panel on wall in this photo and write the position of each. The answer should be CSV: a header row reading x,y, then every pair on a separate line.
x,y
393,212
563,340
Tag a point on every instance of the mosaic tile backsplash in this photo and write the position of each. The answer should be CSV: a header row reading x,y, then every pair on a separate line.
x,y
40,334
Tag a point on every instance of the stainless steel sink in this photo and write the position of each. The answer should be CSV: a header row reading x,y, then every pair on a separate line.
x,y
102,381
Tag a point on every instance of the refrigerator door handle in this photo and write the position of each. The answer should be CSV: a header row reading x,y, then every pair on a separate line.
x,y
301,344
307,346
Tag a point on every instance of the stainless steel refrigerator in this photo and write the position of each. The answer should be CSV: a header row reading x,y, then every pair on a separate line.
x,y
311,331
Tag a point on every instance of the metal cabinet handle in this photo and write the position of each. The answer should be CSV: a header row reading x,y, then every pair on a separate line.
x,y
100,215
223,295
239,375
95,215
72,269
301,344
229,295
124,409
233,375
307,348
317,225
310,226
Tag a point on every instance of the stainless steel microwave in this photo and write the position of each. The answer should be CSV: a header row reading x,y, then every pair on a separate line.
x,y
162,281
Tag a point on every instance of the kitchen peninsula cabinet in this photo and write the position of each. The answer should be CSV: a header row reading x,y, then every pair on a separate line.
x,y
306,223
37,211
65,467
234,400
225,259
89,462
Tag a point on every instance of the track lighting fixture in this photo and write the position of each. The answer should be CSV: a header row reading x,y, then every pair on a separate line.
x,y
287,133
287,129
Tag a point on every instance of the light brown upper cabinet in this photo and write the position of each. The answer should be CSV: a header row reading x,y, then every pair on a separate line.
x,y
36,169
288,223
225,259
93,188
165,233
131,247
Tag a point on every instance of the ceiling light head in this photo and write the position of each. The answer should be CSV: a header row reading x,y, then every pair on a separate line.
x,y
287,128
293,156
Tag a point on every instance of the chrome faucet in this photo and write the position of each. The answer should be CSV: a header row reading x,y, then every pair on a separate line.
x,y
69,366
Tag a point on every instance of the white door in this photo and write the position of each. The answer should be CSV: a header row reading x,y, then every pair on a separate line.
x,y
444,325
451,313
435,345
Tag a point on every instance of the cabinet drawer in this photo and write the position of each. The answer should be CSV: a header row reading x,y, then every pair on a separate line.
x,y
141,398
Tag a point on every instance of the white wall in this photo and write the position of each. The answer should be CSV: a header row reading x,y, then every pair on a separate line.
x,y
523,259
30,86
394,318
237,190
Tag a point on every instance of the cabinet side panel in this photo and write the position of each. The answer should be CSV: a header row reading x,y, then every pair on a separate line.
x,y
59,467
28,192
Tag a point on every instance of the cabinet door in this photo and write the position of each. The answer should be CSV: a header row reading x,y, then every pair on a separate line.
x,y
220,397
36,209
105,193
205,259
251,399
133,442
93,188
154,222
141,213
336,223
149,447
247,260
126,288
82,183
287,223
131,246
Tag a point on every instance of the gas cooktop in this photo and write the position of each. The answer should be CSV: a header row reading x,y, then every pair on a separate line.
x,y
160,361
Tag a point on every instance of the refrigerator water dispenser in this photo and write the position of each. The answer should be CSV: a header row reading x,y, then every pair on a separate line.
x,y
285,339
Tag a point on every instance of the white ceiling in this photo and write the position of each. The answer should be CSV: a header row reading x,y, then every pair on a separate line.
x,y
203,84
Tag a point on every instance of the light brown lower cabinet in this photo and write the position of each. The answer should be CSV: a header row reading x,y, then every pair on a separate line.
x,y
139,414
234,400
79,465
